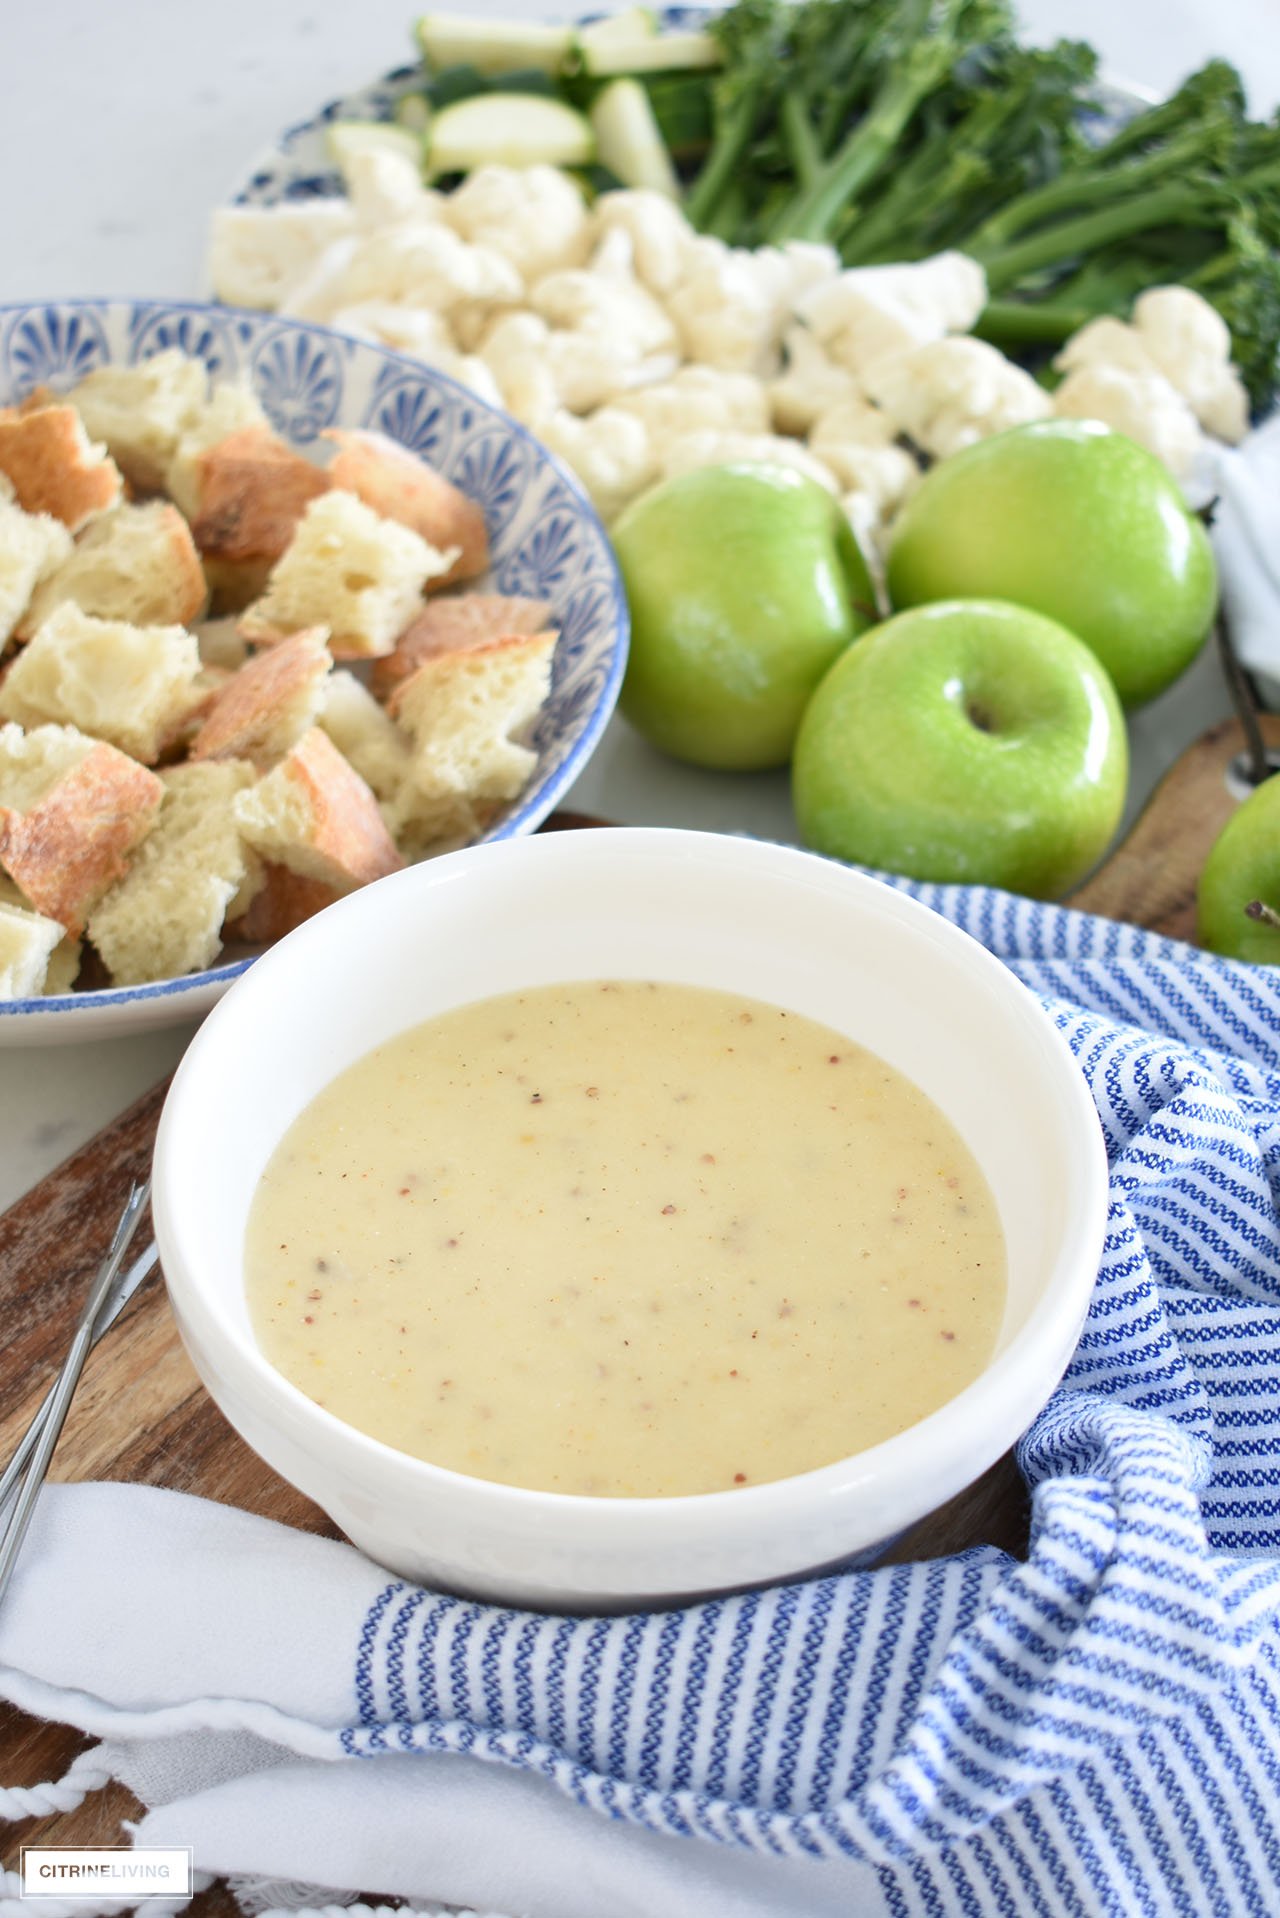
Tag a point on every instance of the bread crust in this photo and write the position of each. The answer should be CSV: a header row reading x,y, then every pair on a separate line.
x,y
253,491
397,484
346,835
75,843
284,901
251,715
54,468
457,624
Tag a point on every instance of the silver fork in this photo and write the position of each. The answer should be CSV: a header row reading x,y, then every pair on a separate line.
x,y
109,1294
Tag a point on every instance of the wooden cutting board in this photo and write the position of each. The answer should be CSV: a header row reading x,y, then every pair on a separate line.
x,y
141,1414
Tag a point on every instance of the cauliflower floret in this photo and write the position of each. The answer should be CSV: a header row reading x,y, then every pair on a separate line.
x,y
610,453
858,443
661,238
1142,405
423,264
410,329
810,385
384,187
257,253
872,312
515,351
952,392
729,309
612,303
710,448
695,399
535,216
1106,342
1191,345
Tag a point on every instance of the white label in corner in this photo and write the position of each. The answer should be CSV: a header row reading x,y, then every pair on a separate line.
x,y
114,1871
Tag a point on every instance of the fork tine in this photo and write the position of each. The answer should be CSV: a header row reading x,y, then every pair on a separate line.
x,y
114,1303
65,1384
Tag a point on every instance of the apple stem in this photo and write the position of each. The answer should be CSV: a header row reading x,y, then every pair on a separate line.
x,y
1207,513
1264,914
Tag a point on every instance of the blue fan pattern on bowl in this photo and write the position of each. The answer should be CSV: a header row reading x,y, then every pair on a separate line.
x,y
546,538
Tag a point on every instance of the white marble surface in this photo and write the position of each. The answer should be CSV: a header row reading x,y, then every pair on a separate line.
x,y
124,124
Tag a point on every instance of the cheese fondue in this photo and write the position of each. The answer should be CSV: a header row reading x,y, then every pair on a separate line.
x,y
625,1239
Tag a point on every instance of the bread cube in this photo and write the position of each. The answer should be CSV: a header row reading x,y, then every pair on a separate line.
x,y
400,486
141,412
263,710
350,570
231,408
283,901
53,466
315,815
366,736
461,709
252,492
136,563
32,545
72,810
165,917
27,943
453,624
129,685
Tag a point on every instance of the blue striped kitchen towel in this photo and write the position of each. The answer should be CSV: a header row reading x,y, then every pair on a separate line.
x,y
1095,1730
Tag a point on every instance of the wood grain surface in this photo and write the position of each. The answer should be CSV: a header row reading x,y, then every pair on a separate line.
x,y
141,1415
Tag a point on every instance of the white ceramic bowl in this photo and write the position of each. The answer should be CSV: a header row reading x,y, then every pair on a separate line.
x,y
759,919
545,537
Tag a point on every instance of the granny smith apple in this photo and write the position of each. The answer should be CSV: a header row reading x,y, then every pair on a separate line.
x,y
744,582
969,740
1238,902
1078,523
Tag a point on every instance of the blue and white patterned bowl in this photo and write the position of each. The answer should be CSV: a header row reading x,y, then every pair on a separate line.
x,y
546,540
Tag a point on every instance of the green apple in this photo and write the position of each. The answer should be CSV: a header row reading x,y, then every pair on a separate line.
x,y
1243,872
1078,523
969,740
745,582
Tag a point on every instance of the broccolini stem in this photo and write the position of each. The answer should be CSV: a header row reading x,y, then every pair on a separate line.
x,y
726,151
1054,245
814,210
1029,322
802,141
1082,187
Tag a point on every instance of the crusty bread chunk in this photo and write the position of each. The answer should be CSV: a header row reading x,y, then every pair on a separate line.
x,y
137,563
165,916
350,570
315,815
32,545
54,466
252,492
262,711
400,486
452,625
27,943
231,408
72,810
283,901
141,412
130,685
365,734
461,710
